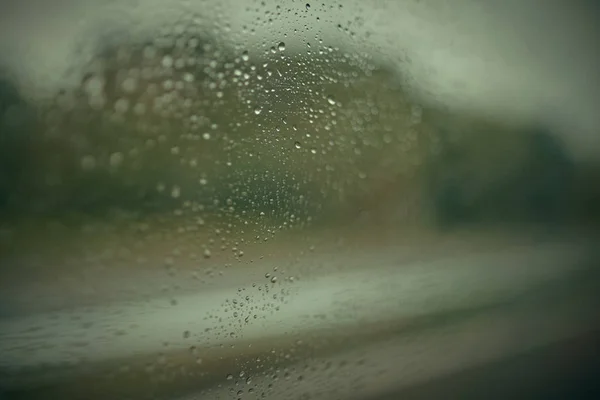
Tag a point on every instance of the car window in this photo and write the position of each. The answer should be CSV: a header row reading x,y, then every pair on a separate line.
x,y
290,200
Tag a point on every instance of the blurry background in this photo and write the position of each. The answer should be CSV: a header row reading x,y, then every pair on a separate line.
x,y
316,184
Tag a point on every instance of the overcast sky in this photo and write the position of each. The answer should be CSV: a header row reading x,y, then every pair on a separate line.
x,y
534,60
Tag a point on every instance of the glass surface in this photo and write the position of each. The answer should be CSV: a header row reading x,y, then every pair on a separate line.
x,y
290,200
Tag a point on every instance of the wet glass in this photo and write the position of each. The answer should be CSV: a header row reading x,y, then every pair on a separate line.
x,y
291,200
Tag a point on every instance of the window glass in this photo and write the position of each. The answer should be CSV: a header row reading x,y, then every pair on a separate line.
x,y
289,200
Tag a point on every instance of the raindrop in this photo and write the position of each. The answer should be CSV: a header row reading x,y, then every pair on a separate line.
x,y
229,377
88,163
331,100
116,159
207,253
129,85
416,114
121,106
139,109
245,56
167,61
257,110
281,46
297,145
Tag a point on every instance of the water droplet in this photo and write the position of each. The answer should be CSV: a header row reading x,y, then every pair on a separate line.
x,y
257,110
129,85
207,253
416,114
297,145
274,279
167,61
116,159
281,46
331,100
307,6
206,136
229,377
88,162
245,56
139,109
175,192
